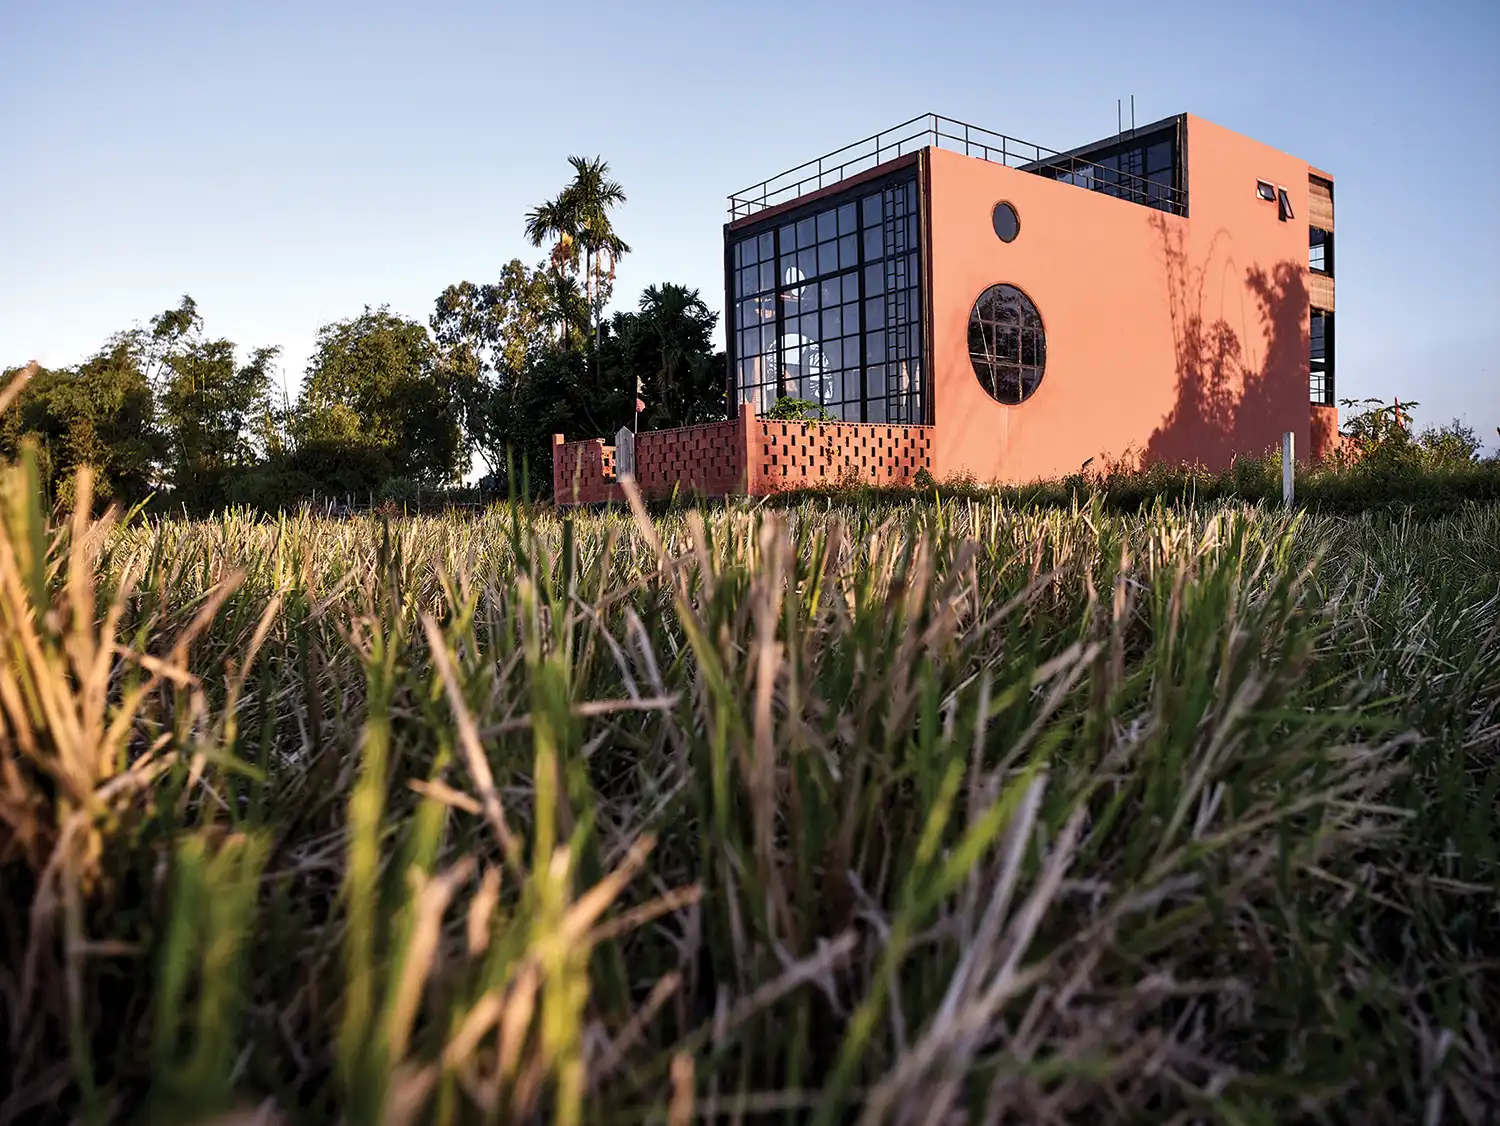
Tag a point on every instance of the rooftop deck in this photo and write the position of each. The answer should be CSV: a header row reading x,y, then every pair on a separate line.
x,y
1078,166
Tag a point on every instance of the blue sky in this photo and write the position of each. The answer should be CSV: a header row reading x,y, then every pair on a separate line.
x,y
289,163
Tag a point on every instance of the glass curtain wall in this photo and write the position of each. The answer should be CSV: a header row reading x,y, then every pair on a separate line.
x,y
825,308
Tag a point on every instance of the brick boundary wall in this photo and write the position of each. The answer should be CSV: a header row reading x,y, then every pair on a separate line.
x,y
578,472
707,459
796,455
746,455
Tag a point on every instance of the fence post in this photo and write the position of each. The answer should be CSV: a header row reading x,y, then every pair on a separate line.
x,y
1288,467
624,453
745,451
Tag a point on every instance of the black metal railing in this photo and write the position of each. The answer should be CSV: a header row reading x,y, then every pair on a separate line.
x,y
934,131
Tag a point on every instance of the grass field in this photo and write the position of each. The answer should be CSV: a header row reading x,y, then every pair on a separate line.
x,y
912,813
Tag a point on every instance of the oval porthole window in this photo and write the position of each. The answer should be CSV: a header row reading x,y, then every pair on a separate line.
x,y
1007,222
1007,344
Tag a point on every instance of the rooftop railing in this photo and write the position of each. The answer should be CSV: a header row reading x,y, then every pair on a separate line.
x,y
934,131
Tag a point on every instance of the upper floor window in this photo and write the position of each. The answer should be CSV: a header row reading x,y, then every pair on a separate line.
x,y
1144,172
1320,251
1320,358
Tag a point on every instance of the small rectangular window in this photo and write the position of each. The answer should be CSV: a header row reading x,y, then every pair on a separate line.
x,y
1320,251
1283,205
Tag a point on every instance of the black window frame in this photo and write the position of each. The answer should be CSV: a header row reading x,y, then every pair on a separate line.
x,y
1320,367
1013,221
987,365
1284,205
1126,167
853,392
1326,245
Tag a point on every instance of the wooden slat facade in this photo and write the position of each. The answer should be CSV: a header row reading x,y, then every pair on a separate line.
x,y
1320,291
1320,203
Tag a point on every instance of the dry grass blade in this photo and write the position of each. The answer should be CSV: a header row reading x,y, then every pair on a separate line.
x,y
869,808
431,901
468,739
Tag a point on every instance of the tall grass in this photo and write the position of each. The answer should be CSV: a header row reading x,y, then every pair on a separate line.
x,y
918,813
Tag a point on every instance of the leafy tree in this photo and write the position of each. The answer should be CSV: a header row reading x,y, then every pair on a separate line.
x,y
375,381
535,387
1377,426
667,350
502,325
208,404
1451,445
488,338
550,400
99,414
567,309
1379,437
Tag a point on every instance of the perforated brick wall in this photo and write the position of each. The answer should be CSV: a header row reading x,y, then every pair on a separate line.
x,y
793,455
748,454
583,472
707,459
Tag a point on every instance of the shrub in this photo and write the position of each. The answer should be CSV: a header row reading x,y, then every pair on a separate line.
x,y
798,410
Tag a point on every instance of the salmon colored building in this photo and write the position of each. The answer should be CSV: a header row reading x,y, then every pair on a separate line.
x,y
968,304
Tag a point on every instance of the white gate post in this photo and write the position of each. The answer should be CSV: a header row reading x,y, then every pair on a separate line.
x,y
624,453
1288,467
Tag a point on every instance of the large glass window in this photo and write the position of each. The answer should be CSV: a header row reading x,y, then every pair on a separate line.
x,y
1320,358
1007,345
826,309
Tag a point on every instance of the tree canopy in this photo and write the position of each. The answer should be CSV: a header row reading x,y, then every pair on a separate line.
x,y
375,380
386,403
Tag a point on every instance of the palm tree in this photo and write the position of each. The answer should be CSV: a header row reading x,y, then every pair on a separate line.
x,y
556,219
568,311
680,326
579,219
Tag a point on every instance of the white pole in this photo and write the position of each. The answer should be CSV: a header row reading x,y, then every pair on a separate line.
x,y
1288,467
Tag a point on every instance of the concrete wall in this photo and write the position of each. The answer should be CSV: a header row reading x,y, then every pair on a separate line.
x,y
1169,338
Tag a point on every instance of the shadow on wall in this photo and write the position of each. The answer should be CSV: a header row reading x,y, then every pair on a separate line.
x,y
1323,439
1226,405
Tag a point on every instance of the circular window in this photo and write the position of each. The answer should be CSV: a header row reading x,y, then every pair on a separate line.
x,y
1006,344
1007,222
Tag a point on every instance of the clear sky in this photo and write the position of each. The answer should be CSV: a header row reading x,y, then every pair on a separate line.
x,y
288,163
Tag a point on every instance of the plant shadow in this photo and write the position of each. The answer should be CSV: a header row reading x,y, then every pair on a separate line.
x,y
1230,403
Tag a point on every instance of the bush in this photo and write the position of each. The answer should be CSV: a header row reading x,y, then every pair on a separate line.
x,y
799,410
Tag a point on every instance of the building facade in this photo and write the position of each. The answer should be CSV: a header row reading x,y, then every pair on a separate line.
x,y
1015,312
